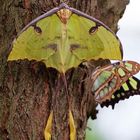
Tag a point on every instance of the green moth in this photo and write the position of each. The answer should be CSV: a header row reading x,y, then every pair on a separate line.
x,y
65,37
115,82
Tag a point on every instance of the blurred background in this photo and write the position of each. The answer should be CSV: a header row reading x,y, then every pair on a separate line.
x,y
122,123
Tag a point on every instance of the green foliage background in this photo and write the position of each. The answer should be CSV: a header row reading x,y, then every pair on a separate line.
x,y
90,133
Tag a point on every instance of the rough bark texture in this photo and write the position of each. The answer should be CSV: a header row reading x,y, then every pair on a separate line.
x,y
29,91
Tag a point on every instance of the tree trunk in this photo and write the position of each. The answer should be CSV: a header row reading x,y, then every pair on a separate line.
x,y
29,91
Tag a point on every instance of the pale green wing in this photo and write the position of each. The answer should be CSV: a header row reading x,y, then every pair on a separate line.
x,y
65,45
101,43
37,42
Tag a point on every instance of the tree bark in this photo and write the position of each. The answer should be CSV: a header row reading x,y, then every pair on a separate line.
x,y
29,90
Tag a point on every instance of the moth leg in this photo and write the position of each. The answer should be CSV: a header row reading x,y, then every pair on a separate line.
x,y
48,128
72,127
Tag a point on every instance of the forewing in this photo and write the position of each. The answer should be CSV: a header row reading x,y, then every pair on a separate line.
x,y
93,39
38,41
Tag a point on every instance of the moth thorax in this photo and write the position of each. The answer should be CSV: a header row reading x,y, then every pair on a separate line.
x,y
64,15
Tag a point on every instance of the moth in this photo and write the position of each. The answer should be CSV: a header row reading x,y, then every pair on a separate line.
x,y
63,38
